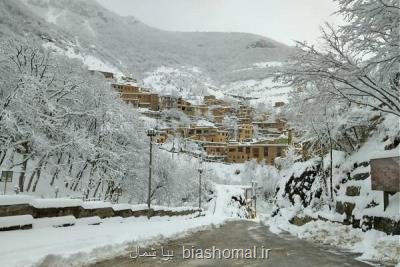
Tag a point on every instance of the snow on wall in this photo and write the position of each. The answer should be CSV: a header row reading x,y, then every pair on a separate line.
x,y
9,221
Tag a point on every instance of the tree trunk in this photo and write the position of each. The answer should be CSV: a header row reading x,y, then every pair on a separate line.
x,y
21,179
38,172
349,141
3,156
34,172
331,171
55,175
30,181
79,177
331,165
96,189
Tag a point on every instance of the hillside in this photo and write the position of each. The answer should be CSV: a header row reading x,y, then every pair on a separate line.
x,y
133,47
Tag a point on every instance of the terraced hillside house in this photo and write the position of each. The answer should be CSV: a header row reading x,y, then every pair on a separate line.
x,y
270,127
168,102
203,133
211,100
216,151
137,96
106,74
219,113
239,153
244,132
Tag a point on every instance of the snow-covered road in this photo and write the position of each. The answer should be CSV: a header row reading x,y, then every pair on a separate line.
x,y
48,246
285,250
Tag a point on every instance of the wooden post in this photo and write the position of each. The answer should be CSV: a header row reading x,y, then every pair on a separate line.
x,y
385,200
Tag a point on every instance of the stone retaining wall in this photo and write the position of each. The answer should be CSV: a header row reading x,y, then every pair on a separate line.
x,y
81,212
386,225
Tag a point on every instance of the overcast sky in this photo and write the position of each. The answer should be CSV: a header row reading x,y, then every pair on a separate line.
x,y
282,20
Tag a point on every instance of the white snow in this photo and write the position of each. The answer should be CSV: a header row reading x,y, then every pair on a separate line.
x,y
15,199
95,204
54,221
55,202
268,64
84,243
15,220
26,247
392,211
264,91
139,207
90,61
225,206
386,154
205,123
90,220
372,245
121,206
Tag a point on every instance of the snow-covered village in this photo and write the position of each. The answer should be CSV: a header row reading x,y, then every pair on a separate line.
x,y
199,133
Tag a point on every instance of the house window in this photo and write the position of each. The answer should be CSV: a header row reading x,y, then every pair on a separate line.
x,y
255,151
265,152
240,149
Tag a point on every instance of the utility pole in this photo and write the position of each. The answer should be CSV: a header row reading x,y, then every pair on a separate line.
x,y
150,133
200,170
253,187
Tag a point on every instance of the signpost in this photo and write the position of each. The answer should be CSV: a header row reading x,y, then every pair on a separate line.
x,y
385,176
6,177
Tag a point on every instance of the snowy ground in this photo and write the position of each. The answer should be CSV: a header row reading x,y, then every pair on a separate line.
x,y
84,243
71,246
374,246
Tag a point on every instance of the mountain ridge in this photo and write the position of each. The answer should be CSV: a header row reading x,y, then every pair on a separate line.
x,y
134,47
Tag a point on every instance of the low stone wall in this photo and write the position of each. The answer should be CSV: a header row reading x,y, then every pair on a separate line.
x,y
56,212
80,212
386,225
14,210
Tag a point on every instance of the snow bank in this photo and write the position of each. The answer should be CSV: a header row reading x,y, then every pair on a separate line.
x,y
225,206
122,206
96,205
15,221
155,207
392,210
372,245
89,220
84,243
54,222
55,202
139,207
15,199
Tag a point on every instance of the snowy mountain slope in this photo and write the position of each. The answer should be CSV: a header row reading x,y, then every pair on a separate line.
x,y
188,64
258,91
135,47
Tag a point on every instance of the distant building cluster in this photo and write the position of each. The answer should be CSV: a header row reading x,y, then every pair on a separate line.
x,y
232,134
